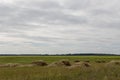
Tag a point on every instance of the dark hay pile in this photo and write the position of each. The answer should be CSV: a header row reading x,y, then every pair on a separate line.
x,y
77,61
40,63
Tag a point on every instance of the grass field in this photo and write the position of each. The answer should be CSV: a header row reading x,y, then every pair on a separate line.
x,y
49,59
96,71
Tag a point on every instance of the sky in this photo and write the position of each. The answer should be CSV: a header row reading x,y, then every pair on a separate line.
x,y
59,26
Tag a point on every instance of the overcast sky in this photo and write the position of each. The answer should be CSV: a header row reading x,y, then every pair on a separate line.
x,y
59,26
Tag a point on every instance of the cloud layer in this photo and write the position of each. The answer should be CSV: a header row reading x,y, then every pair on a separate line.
x,y
59,26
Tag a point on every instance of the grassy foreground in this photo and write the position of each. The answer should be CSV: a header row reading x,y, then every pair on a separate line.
x,y
97,71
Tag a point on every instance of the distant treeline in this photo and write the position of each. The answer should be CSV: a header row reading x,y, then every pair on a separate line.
x,y
70,54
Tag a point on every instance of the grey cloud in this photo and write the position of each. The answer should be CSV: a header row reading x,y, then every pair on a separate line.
x,y
52,25
20,16
77,5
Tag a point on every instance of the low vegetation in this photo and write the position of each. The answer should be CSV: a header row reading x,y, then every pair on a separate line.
x,y
60,68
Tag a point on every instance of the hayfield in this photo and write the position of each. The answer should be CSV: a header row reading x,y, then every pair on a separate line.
x,y
87,68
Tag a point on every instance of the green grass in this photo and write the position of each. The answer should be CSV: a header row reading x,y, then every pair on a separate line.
x,y
49,59
97,71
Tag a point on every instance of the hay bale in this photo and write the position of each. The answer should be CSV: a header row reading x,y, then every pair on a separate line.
x,y
26,65
61,63
75,65
55,64
66,62
79,65
40,63
87,61
113,62
77,61
100,61
84,64
10,65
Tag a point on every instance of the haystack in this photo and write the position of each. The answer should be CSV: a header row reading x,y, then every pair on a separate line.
x,y
80,64
77,61
84,64
87,61
40,63
61,63
26,65
10,65
100,61
114,62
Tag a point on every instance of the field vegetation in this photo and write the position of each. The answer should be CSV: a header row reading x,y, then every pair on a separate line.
x,y
60,68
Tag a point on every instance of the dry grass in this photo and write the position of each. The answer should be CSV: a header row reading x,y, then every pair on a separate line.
x,y
61,73
62,70
113,63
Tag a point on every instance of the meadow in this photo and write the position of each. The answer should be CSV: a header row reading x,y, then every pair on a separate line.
x,y
107,70
49,59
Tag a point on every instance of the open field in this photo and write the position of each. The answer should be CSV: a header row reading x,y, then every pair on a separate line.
x,y
49,59
86,68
